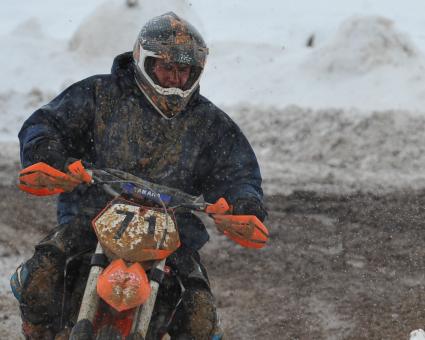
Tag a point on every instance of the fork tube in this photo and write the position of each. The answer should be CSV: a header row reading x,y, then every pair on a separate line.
x,y
144,312
91,299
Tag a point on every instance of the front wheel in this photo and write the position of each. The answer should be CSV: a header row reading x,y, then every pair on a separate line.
x,y
83,330
109,332
134,337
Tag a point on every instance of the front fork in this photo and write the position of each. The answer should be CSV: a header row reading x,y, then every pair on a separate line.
x,y
83,329
144,312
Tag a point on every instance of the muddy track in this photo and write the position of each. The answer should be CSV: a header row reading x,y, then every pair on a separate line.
x,y
337,267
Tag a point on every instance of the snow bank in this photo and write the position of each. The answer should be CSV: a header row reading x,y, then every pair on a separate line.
x,y
336,150
15,107
33,59
113,27
367,63
417,334
323,150
363,44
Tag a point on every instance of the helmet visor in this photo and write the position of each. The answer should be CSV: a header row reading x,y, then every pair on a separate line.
x,y
145,62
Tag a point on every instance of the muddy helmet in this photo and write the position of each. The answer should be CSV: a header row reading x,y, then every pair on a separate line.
x,y
174,40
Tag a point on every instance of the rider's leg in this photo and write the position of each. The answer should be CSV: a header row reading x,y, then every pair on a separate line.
x,y
38,283
196,315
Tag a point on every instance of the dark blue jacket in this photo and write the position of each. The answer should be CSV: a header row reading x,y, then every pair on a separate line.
x,y
106,120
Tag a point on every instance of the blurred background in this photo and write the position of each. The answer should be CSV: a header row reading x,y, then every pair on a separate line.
x,y
316,86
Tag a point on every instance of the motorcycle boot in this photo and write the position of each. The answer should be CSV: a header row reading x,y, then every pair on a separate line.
x,y
39,283
195,315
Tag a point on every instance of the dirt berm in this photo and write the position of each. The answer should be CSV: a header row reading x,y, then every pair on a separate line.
x,y
336,267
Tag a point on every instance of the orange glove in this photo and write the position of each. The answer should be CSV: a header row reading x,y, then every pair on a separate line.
x,y
41,179
246,230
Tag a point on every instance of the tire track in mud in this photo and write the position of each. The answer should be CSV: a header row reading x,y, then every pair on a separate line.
x,y
337,267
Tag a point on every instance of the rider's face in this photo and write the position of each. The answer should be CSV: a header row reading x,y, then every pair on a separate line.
x,y
171,74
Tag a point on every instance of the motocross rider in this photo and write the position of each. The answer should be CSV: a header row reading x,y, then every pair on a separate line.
x,y
147,118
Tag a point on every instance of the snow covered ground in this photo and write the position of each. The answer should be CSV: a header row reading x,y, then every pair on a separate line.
x,y
345,113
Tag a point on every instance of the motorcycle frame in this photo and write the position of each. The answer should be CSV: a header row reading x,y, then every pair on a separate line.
x,y
90,301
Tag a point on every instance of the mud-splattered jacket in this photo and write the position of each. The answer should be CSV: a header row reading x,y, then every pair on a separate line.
x,y
106,120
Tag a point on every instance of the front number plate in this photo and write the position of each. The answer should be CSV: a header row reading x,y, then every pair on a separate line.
x,y
136,233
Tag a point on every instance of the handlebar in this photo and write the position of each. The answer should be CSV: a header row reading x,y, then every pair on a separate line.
x,y
41,179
